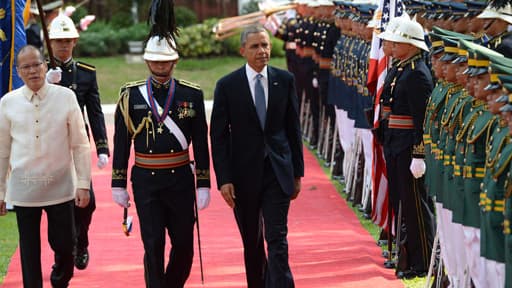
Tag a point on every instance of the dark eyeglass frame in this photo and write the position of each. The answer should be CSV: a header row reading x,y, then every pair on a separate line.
x,y
29,67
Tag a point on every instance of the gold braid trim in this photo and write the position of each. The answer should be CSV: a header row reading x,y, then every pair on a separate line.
x,y
508,187
502,167
445,119
490,159
101,143
418,149
465,126
410,61
457,118
202,174
119,174
487,127
124,106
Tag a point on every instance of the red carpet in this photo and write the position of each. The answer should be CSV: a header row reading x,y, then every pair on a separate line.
x,y
327,245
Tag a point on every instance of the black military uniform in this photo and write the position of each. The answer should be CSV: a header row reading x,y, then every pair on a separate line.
x,y
33,35
81,78
162,178
402,142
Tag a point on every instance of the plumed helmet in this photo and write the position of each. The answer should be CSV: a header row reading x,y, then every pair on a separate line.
x,y
409,31
62,27
159,49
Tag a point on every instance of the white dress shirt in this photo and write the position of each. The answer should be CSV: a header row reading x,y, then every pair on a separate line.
x,y
44,144
251,77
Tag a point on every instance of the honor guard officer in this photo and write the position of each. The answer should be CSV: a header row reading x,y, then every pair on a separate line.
x,y
492,202
326,36
81,78
475,24
506,112
449,126
403,145
496,27
475,132
161,116
286,32
432,140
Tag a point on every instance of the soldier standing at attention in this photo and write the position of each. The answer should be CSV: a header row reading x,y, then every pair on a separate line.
x,y
497,163
496,26
81,78
403,144
506,112
161,116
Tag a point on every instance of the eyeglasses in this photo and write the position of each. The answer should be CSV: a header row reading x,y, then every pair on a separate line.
x,y
29,67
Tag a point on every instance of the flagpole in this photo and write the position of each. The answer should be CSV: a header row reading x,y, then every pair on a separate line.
x,y
45,34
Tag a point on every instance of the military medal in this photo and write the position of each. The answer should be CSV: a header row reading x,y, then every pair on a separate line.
x,y
158,112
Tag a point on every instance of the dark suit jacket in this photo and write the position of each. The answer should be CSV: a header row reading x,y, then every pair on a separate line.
x,y
238,141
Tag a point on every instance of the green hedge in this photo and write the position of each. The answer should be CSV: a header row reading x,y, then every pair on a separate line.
x,y
197,40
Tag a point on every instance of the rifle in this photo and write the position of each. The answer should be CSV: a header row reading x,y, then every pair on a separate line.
x,y
53,64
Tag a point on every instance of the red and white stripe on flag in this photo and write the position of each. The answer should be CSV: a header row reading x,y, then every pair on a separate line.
x,y
377,70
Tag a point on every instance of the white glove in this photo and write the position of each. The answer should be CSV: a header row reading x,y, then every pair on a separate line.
x,y
203,197
417,167
54,75
314,82
102,161
121,197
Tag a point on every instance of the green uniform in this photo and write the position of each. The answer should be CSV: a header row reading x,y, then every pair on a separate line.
x,y
499,154
475,124
449,124
507,227
431,132
450,103
456,183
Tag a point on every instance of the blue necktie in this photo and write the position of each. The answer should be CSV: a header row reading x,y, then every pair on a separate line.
x,y
259,100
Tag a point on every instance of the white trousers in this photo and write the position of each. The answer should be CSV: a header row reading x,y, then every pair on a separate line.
x,y
347,134
475,261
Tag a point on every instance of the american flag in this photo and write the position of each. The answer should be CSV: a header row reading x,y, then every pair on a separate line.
x,y
377,70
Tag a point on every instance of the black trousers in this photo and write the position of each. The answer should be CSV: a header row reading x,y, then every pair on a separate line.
x,y
61,236
167,208
264,217
303,81
83,218
417,208
323,88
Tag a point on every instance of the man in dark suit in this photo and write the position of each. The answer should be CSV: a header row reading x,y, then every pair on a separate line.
x,y
257,155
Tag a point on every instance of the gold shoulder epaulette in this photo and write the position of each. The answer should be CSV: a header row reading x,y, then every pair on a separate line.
x,y
293,21
189,84
134,83
85,66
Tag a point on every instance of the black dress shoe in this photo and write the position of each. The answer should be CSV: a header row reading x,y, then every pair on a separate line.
x,y
390,264
81,259
409,274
